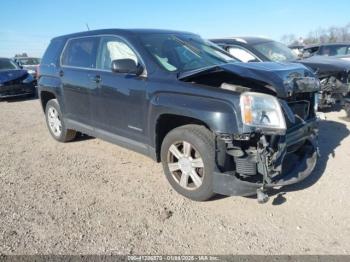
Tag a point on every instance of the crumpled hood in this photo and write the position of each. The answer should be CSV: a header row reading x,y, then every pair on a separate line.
x,y
10,75
282,78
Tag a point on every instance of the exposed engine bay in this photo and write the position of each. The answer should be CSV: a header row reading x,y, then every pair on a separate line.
x,y
334,89
261,158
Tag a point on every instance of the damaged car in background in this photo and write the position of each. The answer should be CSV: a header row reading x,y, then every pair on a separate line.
x,y
337,50
219,126
15,81
333,73
31,64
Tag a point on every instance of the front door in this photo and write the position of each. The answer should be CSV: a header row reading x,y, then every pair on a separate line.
x,y
120,99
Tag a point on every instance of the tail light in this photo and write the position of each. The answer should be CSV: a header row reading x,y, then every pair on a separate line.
x,y
37,70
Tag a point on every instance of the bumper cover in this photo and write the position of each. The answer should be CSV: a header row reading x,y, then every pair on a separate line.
x,y
231,185
17,90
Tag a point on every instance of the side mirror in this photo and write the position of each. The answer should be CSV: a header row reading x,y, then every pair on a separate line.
x,y
126,66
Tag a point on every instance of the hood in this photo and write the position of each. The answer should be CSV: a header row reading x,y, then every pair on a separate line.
x,y
11,75
282,78
324,65
30,67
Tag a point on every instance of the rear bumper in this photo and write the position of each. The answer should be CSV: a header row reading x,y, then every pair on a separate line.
x,y
17,90
301,166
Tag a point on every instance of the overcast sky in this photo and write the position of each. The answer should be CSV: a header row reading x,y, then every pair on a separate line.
x,y
28,26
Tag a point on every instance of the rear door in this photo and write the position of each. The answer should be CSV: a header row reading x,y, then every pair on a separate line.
x,y
78,65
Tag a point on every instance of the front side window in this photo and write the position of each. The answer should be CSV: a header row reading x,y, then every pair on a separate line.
x,y
275,51
113,48
80,52
242,54
7,64
179,53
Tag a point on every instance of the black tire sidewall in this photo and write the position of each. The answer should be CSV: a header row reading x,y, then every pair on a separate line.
x,y
200,138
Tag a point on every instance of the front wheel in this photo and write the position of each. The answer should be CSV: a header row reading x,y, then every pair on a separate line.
x,y
188,159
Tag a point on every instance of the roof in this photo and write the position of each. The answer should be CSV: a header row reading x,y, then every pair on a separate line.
x,y
26,57
296,46
250,40
123,32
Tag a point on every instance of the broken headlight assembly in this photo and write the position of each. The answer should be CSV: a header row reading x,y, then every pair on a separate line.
x,y
262,111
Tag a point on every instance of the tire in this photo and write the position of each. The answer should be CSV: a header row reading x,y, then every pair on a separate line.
x,y
64,134
201,155
347,107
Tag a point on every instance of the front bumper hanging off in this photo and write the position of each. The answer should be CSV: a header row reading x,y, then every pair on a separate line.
x,y
232,185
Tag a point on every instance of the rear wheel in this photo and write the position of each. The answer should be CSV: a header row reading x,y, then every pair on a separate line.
x,y
188,159
55,122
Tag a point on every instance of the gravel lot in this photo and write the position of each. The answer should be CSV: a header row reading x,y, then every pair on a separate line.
x,y
92,197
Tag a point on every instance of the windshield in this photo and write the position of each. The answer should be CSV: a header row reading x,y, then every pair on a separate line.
x,y
7,64
28,61
275,51
179,53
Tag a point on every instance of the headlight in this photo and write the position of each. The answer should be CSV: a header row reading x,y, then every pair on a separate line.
x,y
262,111
32,72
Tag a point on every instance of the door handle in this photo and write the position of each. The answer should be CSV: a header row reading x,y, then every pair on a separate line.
x,y
61,73
96,78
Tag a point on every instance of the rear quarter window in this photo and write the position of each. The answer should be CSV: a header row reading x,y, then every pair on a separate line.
x,y
53,52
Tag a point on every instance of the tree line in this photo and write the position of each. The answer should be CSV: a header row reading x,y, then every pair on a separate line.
x,y
332,34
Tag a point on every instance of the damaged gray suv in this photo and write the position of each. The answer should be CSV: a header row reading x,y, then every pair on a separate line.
x,y
218,126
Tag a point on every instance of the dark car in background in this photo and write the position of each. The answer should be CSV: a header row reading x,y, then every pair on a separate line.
x,y
31,64
15,81
216,124
338,50
333,73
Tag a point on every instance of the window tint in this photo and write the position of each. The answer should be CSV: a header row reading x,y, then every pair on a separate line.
x,y
184,52
53,52
242,54
275,51
81,52
7,64
112,48
334,50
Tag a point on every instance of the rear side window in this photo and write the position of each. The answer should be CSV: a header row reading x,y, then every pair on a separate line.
x,y
80,52
53,52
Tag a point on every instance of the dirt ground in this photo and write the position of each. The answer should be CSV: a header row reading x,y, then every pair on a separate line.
x,y
92,197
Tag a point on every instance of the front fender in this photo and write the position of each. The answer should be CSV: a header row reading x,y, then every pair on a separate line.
x,y
218,114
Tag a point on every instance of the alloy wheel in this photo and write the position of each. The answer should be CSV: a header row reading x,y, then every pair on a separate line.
x,y
186,165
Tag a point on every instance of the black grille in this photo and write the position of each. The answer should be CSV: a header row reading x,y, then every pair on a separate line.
x,y
302,106
300,109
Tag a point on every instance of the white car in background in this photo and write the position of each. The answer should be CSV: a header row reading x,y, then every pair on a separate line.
x,y
30,64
